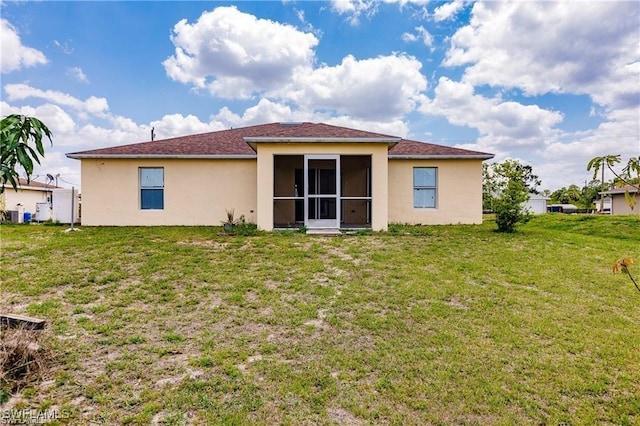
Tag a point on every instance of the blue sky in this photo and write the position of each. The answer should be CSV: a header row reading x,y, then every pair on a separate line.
x,y
551,84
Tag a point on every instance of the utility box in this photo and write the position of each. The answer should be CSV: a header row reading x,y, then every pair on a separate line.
x,y
16,216
62,202
43,212
13,216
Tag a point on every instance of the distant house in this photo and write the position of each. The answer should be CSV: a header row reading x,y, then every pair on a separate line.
x,y
282,175
619,205
606,205
537,204
562,208
28,198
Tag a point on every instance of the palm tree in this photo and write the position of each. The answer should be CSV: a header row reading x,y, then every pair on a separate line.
x,y
574,193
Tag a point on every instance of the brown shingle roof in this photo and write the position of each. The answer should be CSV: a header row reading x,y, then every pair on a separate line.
x,y
407,148
232,142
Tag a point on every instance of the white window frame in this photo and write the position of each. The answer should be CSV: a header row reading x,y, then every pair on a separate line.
x,y
150,187
433,187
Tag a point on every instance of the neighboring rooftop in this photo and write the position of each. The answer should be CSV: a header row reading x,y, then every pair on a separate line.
x,y
236,143
22,184
621,190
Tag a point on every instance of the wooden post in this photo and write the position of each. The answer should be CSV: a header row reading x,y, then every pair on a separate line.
x,y
21,321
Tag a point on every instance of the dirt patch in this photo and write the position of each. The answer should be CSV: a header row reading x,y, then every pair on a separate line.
x,y
319,323
457,303
343,417
339,253
203,243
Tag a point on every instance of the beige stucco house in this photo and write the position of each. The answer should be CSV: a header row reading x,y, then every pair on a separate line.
x,y
619,204
281,175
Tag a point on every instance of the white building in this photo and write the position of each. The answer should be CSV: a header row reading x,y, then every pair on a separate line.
x,y
537,204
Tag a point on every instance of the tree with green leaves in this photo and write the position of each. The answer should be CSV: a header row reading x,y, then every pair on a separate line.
x,y
591,192
21,145
629,176
565,195
506,188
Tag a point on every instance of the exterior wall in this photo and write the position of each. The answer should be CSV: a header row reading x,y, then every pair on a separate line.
x,y
459,192
196,192
619,205
379,175
27,197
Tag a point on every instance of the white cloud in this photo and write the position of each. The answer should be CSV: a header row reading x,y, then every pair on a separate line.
x,y
78,74
403,3
420,34
172,125
54,117
93,105
267,111
356,9
381,88
561,158
64,47
502,125
564,162
561,47
447,10
67,136
395,127
551,47
14,55
235,55
409,37
617,135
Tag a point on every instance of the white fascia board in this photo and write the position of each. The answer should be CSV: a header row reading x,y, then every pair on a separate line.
x,y
162,156
440,157
273,139
618,191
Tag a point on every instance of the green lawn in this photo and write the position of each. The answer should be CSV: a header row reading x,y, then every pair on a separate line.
x,y
420,325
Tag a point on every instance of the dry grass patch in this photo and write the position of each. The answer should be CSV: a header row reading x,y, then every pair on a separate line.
x,y
26,359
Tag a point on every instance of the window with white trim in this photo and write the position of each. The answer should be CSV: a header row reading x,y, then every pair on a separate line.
x,y
151,188
425,189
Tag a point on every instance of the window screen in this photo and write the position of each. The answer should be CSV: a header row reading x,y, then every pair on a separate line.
x,y
424,187
151,188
